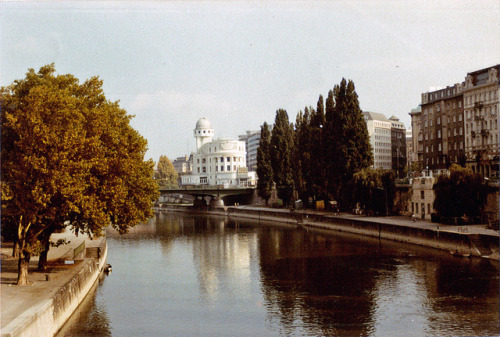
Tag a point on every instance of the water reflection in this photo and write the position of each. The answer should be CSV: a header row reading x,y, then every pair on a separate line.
x,y
214,276
92,309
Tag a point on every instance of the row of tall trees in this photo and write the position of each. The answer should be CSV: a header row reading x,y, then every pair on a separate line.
x,y
69,158
318,156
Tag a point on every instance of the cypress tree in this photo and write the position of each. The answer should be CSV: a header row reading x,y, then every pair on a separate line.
x,y
264,168
348,148
317,177
281,156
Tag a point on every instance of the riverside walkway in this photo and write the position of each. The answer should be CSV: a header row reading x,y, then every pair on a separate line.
x,y
403,221
19,303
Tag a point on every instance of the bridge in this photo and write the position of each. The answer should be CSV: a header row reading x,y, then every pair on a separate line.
x,y
215,192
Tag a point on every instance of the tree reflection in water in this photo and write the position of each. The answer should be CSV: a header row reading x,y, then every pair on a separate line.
x,y
186,274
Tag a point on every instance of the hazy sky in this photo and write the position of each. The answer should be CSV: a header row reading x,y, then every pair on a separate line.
x,y
235,63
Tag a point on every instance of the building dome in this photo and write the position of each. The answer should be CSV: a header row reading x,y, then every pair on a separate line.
x,y
203,123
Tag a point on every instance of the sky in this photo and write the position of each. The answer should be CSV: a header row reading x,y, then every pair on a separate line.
x,y
235,63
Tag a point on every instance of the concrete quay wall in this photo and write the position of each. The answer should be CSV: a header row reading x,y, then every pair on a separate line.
x,y
480,245
48,317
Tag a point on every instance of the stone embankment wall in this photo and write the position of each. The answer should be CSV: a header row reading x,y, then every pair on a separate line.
x,y
459,243
47,318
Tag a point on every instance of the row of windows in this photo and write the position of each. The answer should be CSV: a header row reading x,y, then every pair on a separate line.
x,y
476,141
203,169
216,160
481,125
386,138
489,110
491,95
382,150
382,131
240,148
438,108
415,208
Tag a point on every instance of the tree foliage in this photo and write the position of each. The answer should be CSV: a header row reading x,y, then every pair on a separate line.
x,y
462,192
69,158
166,175
281,156
264,168
373,190
328,146
347,144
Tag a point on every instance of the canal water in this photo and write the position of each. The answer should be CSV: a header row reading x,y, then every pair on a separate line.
x,y
189,275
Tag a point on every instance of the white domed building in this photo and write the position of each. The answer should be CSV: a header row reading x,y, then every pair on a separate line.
x,y
219,162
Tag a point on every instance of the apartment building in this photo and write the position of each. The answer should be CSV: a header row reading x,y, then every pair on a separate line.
x,y
481,107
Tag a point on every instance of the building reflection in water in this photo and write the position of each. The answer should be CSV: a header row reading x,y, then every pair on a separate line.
x,y
280,280
221,250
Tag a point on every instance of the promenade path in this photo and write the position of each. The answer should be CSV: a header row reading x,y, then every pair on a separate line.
x,y
404,221
16,300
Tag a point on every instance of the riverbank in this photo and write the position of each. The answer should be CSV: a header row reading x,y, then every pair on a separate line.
x,y
471,240
43,306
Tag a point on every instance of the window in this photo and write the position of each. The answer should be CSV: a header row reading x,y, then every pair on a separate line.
x,y
428,208
228,159
460,118
203,160
234,167
204,169
222,168
198,160
216,168
439,147
439,133
216,160
221,159
422,194
198,170
229,167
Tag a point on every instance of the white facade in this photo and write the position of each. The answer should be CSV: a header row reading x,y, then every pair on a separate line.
x,y
252,140
379,130
219,162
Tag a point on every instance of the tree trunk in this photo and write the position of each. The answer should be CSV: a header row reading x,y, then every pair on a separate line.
x,y
15,249
42,261
22,267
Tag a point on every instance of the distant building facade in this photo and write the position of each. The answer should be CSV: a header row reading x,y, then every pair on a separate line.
x,y
459,124
481,105
409,148
398,146
251,139
379,130
220,162
182,165
442,127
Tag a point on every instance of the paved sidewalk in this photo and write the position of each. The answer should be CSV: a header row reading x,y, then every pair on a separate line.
x,y
393,220
17,299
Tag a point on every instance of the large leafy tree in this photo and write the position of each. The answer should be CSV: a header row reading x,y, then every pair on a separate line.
x,y
462,192
346,141
373,190
281,156
264,168
69,158
165,174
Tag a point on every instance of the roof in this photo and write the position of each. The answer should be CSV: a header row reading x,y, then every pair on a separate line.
x,y
203,123
375,116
